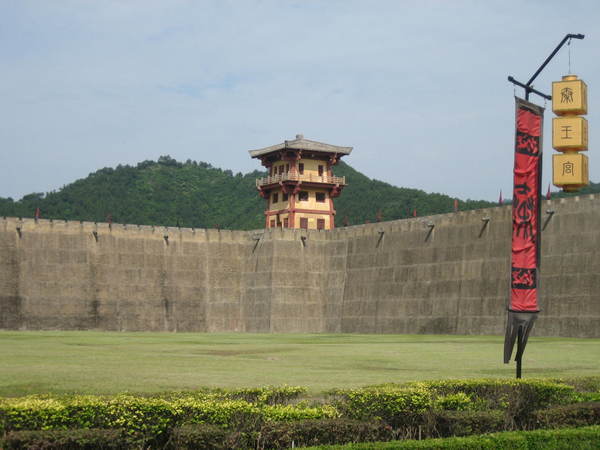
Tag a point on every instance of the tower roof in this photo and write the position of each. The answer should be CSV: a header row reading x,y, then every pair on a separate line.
x,y
301,144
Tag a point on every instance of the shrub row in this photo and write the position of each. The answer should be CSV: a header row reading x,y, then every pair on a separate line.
x,y
576,415
150,416
206,436
282,435
398,406
517,398
68,439
581,384
568,438
268,395
427,409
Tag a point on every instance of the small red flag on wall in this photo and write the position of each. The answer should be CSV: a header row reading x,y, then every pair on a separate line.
x,y
455,205
548,194
415,212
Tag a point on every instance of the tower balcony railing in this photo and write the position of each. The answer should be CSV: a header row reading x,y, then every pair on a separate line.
x,y
309,177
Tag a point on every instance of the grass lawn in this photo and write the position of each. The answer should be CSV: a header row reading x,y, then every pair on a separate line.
x,y
106,363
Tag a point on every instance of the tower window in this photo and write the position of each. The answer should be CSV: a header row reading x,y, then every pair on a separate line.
x,y
287,168
280,169
303,196
285,197
303,222
272,223
320,171
301,168
275,198
320,196
320,224
286,223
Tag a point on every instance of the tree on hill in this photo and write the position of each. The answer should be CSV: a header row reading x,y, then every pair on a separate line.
x,y
365,198
195,194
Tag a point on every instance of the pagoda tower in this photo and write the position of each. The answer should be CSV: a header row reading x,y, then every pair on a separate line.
x,y
300,186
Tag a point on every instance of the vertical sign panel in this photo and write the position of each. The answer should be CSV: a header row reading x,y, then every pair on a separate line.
x,y
523,305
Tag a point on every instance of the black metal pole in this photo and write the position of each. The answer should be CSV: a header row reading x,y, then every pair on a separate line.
x,y
527,86
545,63
519,357
529,89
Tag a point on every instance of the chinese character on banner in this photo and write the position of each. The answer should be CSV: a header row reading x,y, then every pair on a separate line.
x,y
523,307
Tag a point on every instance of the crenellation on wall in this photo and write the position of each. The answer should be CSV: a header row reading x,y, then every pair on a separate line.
x,y
447,273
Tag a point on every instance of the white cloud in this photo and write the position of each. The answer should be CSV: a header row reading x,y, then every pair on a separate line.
x,y
418,88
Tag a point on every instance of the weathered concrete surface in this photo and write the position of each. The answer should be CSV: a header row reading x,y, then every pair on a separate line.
x,y
391,277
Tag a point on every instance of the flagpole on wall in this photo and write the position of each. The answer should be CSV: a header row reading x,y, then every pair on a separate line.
x,y
523,328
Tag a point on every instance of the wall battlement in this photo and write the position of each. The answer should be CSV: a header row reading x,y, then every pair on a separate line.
x,y
447,273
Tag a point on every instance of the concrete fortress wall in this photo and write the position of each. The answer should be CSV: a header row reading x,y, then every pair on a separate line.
x,y
401,276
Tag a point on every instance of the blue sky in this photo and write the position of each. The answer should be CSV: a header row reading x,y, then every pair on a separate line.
x,y
418,88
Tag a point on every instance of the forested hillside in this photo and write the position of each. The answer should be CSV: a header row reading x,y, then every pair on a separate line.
x,y
192,194
368,199
165,192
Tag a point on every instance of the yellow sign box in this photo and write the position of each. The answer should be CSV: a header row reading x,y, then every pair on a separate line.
x,y
569,133
569,96
570,170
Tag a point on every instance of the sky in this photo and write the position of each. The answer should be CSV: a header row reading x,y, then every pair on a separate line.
x,y
418,88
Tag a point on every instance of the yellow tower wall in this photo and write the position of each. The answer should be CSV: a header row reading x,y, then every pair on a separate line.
x,y
312,203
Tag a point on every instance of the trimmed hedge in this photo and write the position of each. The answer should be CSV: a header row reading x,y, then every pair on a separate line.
x,y
286,435
282,435
268,395
201,436
568,438
518,398
263,417
464,423
398,406
148,416
68,439
576,415
325,431
581,384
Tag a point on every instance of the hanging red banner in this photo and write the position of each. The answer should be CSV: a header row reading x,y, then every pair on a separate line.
x,y
526,206
526,231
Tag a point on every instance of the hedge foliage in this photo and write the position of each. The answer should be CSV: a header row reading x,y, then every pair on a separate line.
x,y
201,437
282,435
149,416
463,423
568,438
575,415
404,404
277,417
91,439
398,406
269,395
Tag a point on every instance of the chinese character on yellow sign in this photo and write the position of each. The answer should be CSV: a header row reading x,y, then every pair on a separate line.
x,y
569,96
569,133
570,170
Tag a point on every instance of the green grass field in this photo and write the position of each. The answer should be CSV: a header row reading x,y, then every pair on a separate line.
x,y
105,363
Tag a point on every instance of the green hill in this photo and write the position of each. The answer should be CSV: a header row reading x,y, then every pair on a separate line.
x,y
192,194
165,192
366,199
